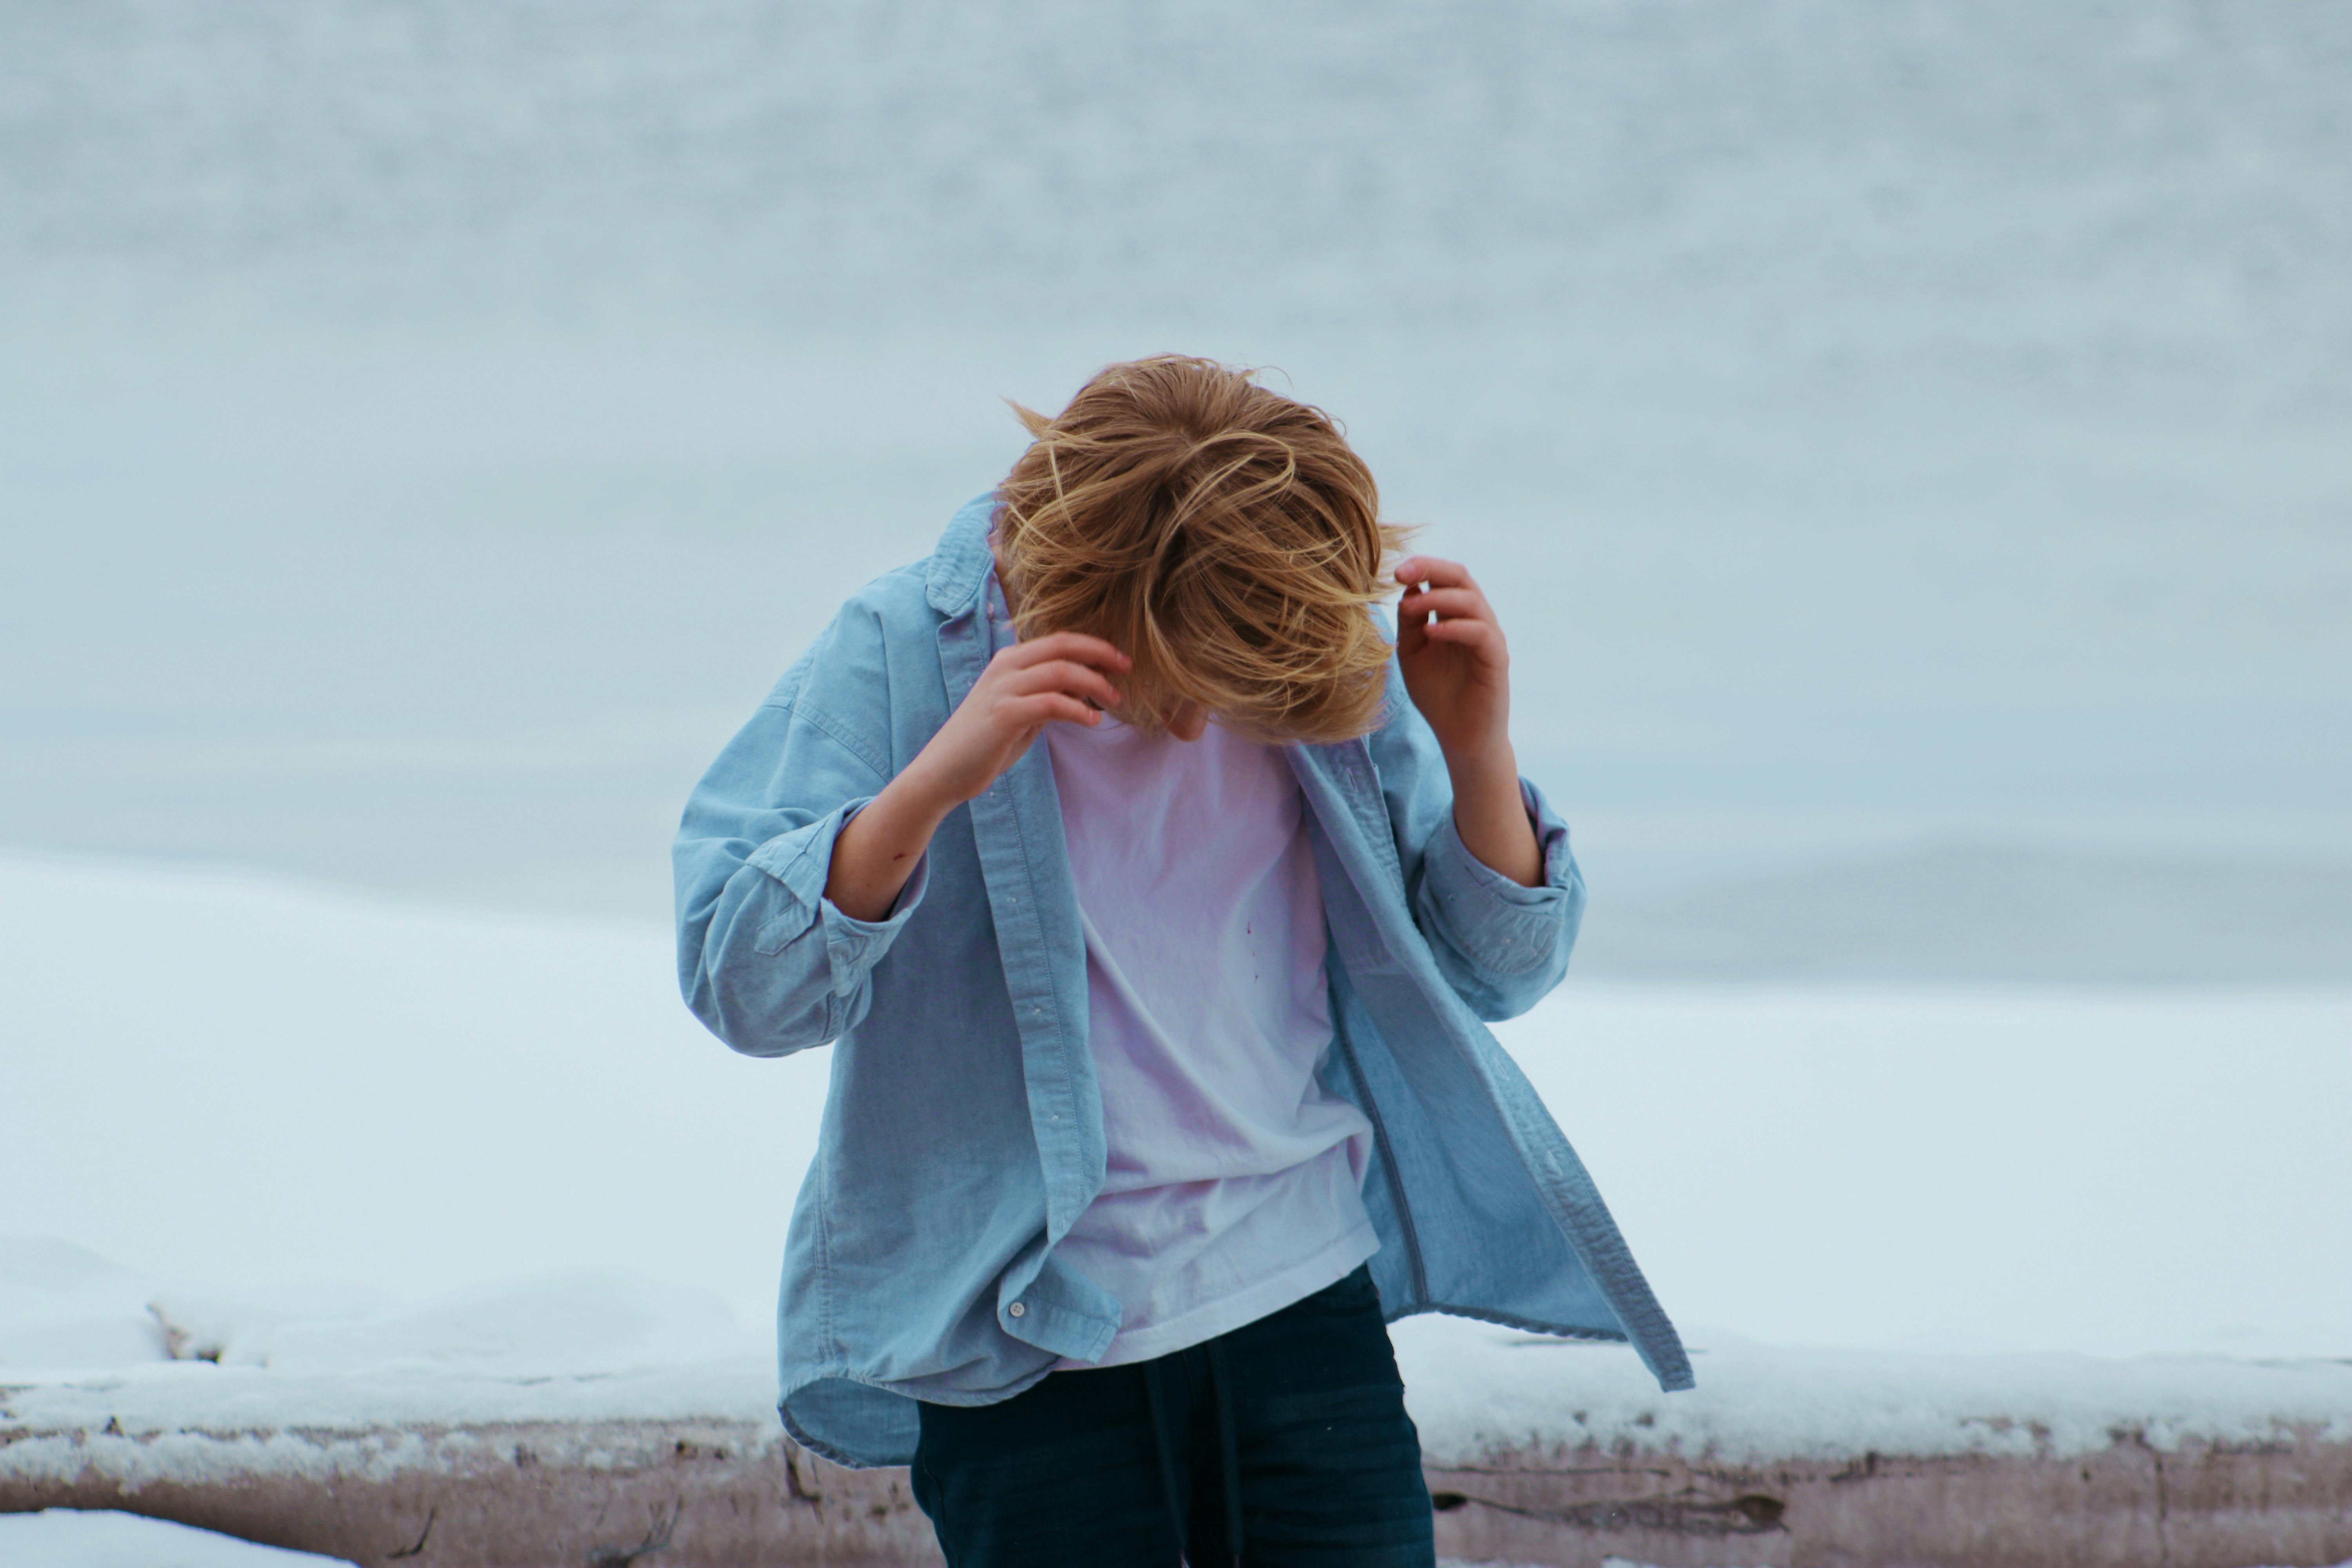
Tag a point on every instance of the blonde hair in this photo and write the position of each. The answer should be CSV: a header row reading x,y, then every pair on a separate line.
x,y
1225,537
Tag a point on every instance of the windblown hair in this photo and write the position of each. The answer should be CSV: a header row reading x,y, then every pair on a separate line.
x,y
1225,537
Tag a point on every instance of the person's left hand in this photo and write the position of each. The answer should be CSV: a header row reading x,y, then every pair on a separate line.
x,y
1456,667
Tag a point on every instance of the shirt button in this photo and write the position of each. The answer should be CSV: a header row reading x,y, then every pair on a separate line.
x,y
1016,1309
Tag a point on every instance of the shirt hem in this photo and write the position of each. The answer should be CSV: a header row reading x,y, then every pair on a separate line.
x,y
1295,1284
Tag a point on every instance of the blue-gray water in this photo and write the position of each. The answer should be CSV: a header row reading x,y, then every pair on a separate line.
x,y
429,427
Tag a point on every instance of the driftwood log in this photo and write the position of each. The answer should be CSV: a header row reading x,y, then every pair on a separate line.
x,y
721,1494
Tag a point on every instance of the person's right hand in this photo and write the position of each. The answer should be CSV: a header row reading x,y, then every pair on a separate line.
x,y
1056,680
1065,678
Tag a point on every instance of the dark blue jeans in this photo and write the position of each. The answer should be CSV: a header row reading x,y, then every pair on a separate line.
x,y
1301,1415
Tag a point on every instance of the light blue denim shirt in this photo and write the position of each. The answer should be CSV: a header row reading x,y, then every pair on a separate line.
x,y
962,1133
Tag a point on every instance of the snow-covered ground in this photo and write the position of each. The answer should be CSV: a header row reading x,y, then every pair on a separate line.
x,y
325,1134
1475,1390
62,1537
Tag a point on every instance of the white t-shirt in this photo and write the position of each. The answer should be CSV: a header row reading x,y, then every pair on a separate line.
x,y
1236,1182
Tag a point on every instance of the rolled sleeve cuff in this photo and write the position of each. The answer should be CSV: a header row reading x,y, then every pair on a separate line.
x,y
802,861
1492,917
854,946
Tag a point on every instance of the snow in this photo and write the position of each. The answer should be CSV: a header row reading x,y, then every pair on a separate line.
x,y
581,1322
1475,1393
65,1538
285,1096
1477,1390
1474,1390
1991,1169
382,1166
1605,1562
354,1112
61,1305
186,1421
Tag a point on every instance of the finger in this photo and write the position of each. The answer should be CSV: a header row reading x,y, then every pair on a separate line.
x,y
1434,570
1410,632
1034,713
1484,638
1062,676
1448,603
1077,646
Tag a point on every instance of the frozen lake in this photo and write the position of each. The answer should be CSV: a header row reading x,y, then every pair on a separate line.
x,y
428,432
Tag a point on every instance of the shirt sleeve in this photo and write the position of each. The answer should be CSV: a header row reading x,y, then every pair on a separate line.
x,y
1501,945
766,961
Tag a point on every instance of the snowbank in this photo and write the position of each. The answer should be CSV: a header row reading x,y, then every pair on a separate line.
x,y
63,1538
1477,1390
62,1305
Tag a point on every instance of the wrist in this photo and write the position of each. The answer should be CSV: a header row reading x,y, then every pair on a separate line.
x,y
879,847
1483,769
1491,814
922,792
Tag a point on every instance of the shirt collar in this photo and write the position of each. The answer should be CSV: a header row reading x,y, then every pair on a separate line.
x,y
963,560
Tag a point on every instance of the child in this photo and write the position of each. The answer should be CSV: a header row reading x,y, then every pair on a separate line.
x,y
1154,926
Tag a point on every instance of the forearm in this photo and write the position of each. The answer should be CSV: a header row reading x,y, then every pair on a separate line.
x,y
1491,818
878,848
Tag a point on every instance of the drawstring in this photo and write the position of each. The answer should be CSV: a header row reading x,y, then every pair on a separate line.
x,y
1152,1372
1229,1445
1228,1448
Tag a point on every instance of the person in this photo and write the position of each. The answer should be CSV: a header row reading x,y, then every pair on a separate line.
x,y
1153,900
